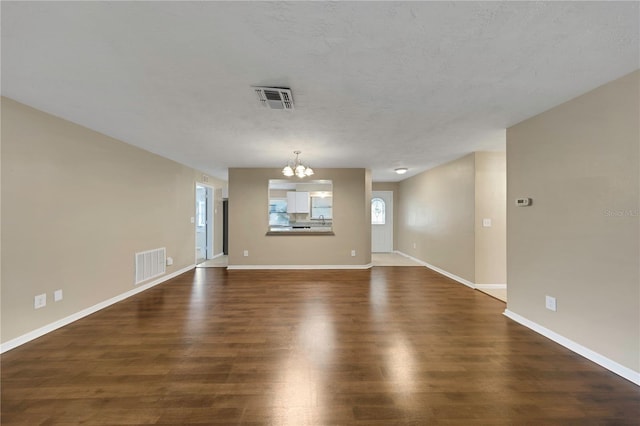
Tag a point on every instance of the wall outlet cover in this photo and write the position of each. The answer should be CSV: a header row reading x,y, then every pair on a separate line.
x,y
40,301
57,295
550,303
246,253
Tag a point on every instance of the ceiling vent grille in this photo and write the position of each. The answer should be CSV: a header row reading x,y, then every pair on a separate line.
x,y
275,97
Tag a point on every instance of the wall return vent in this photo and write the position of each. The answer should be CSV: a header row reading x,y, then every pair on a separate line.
x,y
150,264
274,97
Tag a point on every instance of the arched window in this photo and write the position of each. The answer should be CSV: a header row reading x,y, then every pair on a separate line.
x,y
378,216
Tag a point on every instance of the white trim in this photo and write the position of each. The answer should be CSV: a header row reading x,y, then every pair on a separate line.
x,y
21,340
438,270
491,286
367,266
621,370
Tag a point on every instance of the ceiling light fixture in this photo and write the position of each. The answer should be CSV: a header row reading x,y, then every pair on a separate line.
x,y
401,170
297,168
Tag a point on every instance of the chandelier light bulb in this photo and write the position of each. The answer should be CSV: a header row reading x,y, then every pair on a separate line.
x,y
287,171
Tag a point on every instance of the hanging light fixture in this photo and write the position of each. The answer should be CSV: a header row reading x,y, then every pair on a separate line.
x,y
297,168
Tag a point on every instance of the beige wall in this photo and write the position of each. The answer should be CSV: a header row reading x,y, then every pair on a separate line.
x,y
393,187
441,212
248,221
436,213
76,206
579,239
491,203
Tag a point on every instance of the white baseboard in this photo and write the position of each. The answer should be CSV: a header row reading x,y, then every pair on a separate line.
x,y
21,340
440,271
491,286
614,367
367,266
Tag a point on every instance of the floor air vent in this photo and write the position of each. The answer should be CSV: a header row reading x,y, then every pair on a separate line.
x,y
150,264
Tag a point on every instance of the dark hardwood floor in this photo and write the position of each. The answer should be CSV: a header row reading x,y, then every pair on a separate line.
x,y
391,345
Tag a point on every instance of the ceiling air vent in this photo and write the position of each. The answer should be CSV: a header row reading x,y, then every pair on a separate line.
x,y
275,97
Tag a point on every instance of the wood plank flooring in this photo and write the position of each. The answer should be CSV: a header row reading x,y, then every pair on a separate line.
x,y
390,345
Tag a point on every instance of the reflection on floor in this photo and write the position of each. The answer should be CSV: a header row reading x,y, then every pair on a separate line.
x,y
218,262
391,259
378,347
498,293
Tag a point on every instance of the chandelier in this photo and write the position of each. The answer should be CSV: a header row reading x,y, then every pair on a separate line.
x,y
297,168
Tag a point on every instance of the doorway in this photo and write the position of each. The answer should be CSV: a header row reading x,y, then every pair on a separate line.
x,y
382,221
204,223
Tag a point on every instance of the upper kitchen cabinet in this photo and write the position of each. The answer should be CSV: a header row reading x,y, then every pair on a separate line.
x,y
298,202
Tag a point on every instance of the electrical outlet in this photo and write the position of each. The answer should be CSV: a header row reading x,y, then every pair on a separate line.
x,y
169,261
550,303
486,223
415,245
353,253
246,253
57,295
40,301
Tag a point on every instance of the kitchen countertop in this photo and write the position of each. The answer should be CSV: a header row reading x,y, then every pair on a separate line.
x,y
299,232
301,229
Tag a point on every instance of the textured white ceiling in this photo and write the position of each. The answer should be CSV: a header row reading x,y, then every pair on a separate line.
x,y
376,84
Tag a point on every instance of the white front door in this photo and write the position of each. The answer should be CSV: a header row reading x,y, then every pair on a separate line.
x,y
382,221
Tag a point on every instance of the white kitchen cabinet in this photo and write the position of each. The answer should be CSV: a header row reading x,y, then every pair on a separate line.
x,y
291,202
297,202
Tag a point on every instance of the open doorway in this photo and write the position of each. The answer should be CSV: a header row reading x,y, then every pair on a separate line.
x,y
204,223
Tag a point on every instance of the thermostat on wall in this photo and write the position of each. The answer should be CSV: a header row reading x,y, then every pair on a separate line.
x,y
523,202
